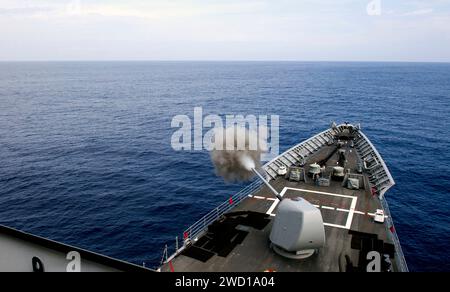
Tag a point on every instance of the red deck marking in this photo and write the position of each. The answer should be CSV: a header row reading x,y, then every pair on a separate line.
x,y
392,229
230,201
186,235
171,267
374,191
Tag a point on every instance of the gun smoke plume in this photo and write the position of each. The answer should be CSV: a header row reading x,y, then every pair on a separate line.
x,y
236,153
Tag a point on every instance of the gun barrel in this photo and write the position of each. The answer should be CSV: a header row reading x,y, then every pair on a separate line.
x,y
267,184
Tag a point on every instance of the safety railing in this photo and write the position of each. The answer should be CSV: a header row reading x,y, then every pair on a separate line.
x,y
200,227
400,257
383,181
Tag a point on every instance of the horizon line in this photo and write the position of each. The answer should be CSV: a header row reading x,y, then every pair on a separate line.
x,y
217,60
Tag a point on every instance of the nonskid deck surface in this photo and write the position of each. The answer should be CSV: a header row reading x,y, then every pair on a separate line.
x,y
348,219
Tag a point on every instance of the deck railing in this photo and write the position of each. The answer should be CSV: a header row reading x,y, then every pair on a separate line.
x,y
400,257
198,228
383,181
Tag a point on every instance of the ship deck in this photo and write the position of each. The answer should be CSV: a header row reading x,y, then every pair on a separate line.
x,y
243,236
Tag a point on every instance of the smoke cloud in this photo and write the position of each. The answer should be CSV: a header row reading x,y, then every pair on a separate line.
x,y
236,152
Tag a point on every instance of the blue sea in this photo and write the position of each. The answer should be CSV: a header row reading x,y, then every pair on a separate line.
x,y
86,159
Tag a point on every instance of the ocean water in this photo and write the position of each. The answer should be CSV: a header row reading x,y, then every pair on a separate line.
x,y
85,154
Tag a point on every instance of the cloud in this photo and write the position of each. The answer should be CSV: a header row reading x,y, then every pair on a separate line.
x,y
223,29
24,11
130,9
418,12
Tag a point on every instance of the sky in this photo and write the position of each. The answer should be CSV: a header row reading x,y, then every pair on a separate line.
x,y
303,30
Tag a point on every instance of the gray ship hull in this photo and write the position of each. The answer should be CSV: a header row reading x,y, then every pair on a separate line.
x,y
24,252
235,236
